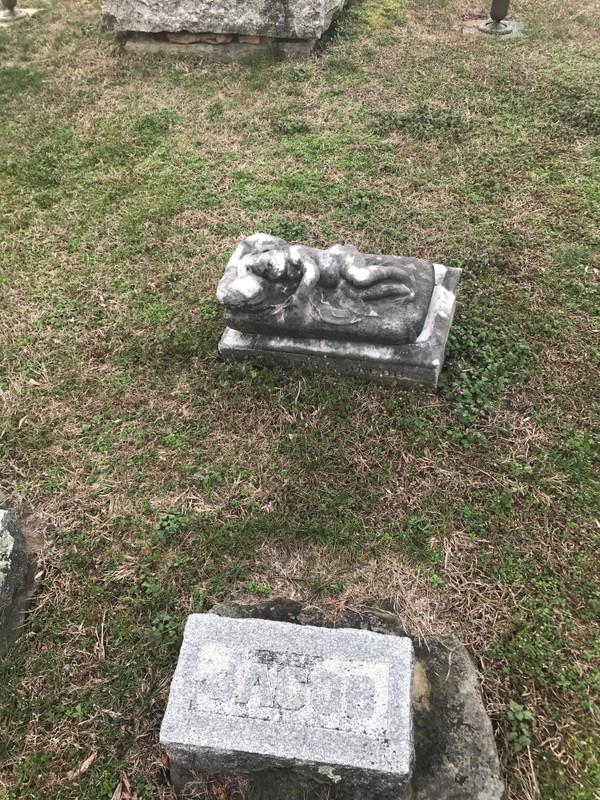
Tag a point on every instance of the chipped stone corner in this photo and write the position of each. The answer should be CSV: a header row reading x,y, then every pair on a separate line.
x,y
330,773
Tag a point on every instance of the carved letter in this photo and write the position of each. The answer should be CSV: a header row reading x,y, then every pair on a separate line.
x,y
360,698
255,687
292,688
326,693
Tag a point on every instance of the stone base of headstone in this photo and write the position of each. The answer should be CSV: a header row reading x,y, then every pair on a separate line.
x,y
240,48
415,365
18,15
455,750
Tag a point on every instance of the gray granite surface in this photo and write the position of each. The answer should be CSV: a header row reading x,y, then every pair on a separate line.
x,y
312,706
285,19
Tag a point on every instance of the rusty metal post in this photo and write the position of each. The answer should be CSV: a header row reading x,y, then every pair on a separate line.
x,y
499,10
497,26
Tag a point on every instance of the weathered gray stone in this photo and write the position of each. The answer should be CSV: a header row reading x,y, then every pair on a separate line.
x,y
338,310
13,560
298,707
284,19
457,757
455,751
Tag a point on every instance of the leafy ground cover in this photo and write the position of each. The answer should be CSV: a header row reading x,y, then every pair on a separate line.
x,y
167,479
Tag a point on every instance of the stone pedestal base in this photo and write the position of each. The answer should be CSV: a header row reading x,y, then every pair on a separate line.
x,y
225,53
410,365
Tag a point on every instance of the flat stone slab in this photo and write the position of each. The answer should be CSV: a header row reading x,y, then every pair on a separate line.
x,y
283,19
311,706
456,751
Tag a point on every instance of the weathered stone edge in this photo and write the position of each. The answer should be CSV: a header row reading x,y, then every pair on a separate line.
x,y
139,44
15,568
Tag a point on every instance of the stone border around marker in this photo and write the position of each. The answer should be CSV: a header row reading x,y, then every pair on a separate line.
x,y
456,756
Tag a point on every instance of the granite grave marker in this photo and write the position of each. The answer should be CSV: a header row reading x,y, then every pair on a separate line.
x,y
320,707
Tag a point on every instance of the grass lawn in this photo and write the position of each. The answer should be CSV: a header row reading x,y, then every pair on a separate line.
x,y
167,479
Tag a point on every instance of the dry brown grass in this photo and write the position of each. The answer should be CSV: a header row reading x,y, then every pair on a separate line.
x,y
108,420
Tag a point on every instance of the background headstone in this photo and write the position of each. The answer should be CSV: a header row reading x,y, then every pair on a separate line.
x,y
13,560
282,19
